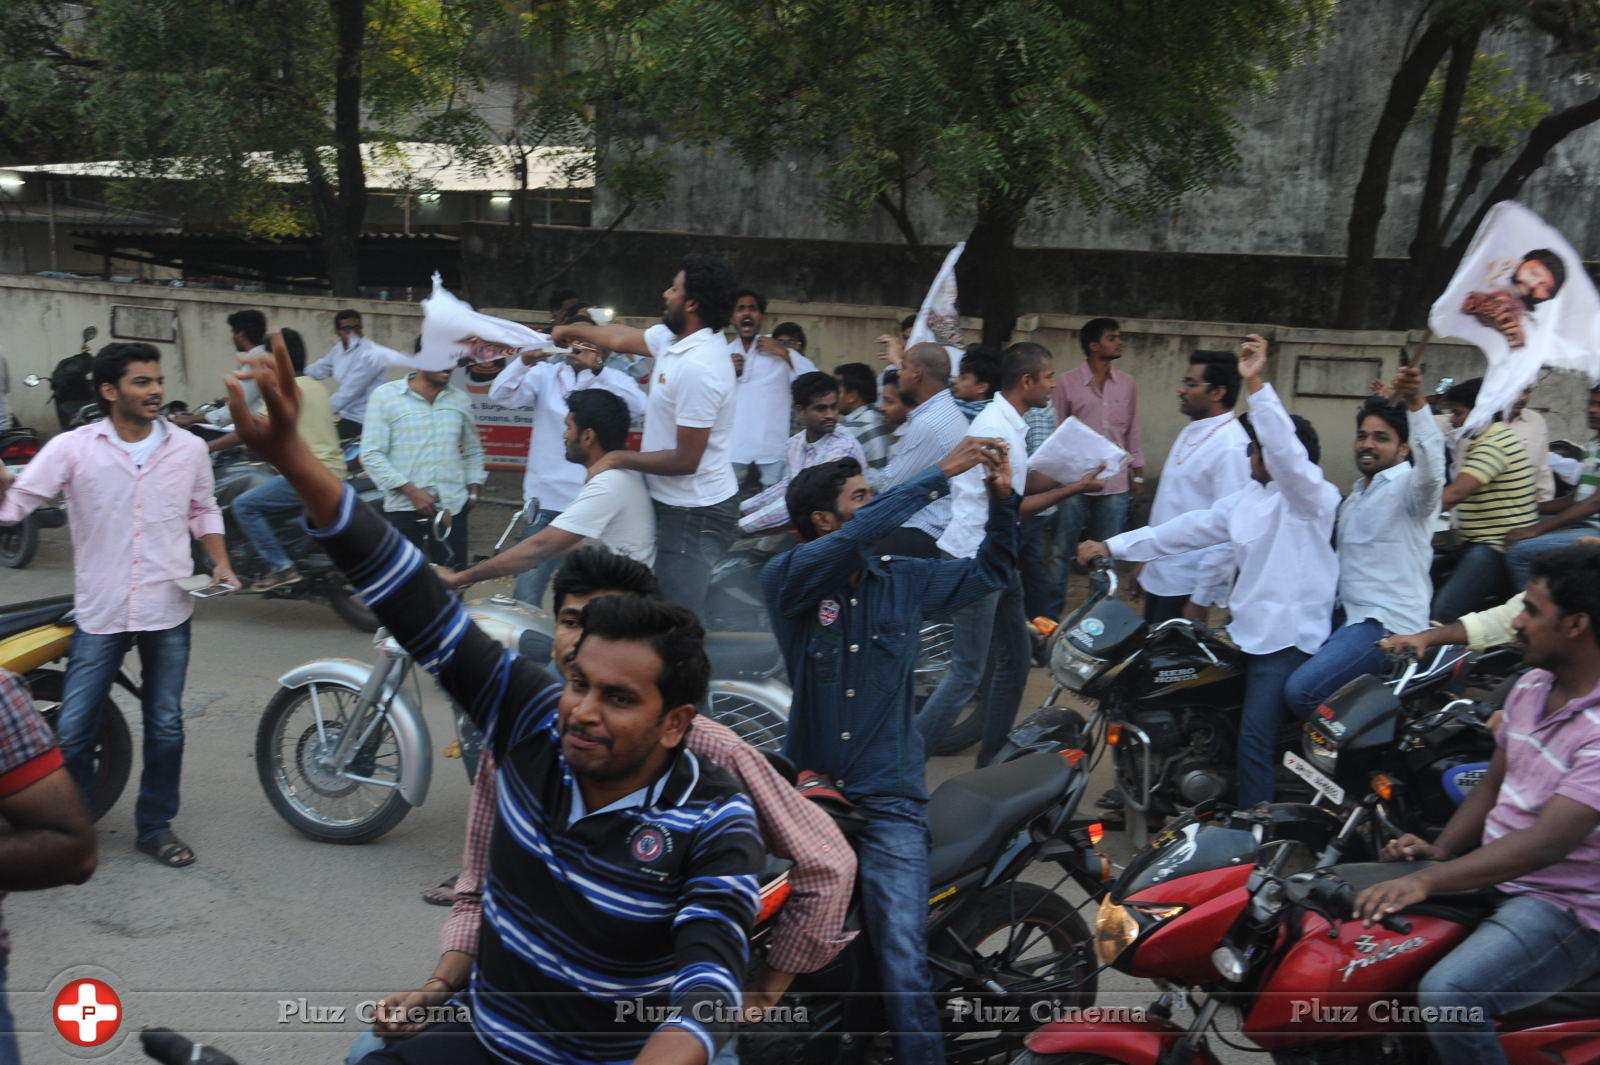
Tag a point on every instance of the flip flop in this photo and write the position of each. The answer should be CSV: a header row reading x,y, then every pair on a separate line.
x,y
167,849
444,894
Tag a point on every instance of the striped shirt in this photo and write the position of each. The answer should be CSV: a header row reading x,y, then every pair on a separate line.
x,y
28,752
647,903
1588,473
874,435
434,446
932,429
1548,754
770,508
1505,501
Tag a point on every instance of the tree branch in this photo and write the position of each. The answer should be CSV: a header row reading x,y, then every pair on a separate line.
x,y
1442,145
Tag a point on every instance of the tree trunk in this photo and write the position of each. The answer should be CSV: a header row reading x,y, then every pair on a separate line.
x,y
1372,190
341,229
987,270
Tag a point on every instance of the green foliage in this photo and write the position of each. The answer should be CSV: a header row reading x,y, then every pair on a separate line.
x,y
1497,109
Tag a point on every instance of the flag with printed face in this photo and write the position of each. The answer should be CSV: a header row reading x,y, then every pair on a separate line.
x,y
938,322
1522,296
454,333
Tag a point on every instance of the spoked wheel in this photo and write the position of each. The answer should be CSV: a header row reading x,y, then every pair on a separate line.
x,y
113,744
19,542
299,733
1031,942
933,661
759,724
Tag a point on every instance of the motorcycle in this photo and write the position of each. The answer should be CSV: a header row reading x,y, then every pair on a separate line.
x,y
1311,983
1004,951
38,634
19,542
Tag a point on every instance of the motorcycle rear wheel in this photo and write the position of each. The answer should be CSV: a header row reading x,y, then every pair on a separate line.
x,y
19,542
325,806
113,744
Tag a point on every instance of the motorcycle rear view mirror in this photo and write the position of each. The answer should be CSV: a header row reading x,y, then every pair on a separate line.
x,y
90,333
441,525
33,380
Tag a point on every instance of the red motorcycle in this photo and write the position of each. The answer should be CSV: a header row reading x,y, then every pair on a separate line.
x,y
1312,985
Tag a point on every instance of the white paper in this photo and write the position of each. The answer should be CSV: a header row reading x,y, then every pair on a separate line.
x,y
1073,451
453,331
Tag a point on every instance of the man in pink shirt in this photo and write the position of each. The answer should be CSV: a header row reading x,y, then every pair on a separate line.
x,y
137,490
1107,401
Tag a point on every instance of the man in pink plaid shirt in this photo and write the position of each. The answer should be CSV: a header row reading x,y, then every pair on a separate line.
x,y
809,933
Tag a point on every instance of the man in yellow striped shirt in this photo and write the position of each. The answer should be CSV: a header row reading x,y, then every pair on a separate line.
x,y
1491,494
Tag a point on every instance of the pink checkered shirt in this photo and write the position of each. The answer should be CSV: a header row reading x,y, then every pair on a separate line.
x,y
810,926
1112,412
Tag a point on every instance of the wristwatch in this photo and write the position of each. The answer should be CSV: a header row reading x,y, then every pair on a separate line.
x,y
1138,480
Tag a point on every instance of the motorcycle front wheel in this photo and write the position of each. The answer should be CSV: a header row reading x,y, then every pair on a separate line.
x,y
113,744
19,542
299,731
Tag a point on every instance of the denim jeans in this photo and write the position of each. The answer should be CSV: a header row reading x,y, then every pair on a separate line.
x,y
253,511
1479,580
1159,608
1349,653
990,626
91,668
1519,556
1082,517
451,1043
9,1055
1527,951
689,542
531,583
892,856
1042,593
418,528
1263,713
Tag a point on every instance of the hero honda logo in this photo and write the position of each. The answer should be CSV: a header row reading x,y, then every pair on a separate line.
x,y
87,1012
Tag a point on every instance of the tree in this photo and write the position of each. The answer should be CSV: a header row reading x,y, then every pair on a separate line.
x,y
240,96
1001,109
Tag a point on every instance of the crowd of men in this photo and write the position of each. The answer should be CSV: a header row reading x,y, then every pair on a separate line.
x,y
615,836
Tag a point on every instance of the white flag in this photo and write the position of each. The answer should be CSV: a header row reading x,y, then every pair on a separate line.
x,y
453,331
1522,296
938,322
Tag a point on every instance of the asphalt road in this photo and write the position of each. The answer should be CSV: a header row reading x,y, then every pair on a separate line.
x,y
227,949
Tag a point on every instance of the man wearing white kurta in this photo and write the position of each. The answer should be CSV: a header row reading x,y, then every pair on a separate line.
x,y
765,371
543,382
1206,462
1278,530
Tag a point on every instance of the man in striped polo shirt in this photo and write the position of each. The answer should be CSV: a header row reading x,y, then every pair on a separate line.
x,y
1570,517
621,886
1530,829
1491,494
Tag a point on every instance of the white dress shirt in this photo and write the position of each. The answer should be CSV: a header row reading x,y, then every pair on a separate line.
x,y
1279,534
969,495
762,402
692,385
1206,463
1386,535
544,387
359,368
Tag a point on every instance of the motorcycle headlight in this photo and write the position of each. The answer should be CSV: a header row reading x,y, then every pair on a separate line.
x,y
1230,963
1117,926
1320,749
1071,668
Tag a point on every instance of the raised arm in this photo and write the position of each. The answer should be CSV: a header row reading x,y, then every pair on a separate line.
x,y
953,583
1427,445
1297,477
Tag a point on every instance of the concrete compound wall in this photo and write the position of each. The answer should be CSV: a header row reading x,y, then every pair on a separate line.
x,y
43,319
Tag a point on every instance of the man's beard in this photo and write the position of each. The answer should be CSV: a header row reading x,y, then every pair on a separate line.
x,y
673,322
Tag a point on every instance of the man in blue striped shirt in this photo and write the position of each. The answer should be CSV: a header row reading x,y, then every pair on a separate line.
x,y
934,426
621,886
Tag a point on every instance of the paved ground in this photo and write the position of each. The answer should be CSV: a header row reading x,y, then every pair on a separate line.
x,y
266,917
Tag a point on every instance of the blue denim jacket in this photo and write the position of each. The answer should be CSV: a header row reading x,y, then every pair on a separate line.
x,y
851,644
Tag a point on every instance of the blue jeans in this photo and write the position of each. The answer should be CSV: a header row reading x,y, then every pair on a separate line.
x,y
992,625
91,668
9,1055
1478,578
1082,517
1351,652
892,854
689,542
1262,714
1527,951
253,512
1519,556
531,583
1042,594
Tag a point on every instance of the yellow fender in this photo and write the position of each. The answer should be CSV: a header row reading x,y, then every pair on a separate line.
x,y
27,651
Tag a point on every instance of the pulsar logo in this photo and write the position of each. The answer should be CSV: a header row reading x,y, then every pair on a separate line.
x,y
87,1013
1172,676
1372,953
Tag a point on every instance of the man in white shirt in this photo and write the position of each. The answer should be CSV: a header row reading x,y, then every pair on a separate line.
x,y
1278,530
688,424
1385,541
550,478
359,365
1206,463
996,621
816,400
766,368
612,510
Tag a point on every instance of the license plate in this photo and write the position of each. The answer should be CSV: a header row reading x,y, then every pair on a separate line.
x,y
1313,776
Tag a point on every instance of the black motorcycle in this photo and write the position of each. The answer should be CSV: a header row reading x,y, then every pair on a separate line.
x,y
19,542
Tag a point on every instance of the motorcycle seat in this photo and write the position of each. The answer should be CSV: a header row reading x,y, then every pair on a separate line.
x,y
1576,1003
25,616
742,654
969,814
1463,907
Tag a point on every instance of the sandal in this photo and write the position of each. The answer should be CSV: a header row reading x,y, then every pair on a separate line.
x,y
442,895
167,849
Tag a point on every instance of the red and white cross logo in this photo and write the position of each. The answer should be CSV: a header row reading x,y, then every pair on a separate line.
x,y
87,1012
